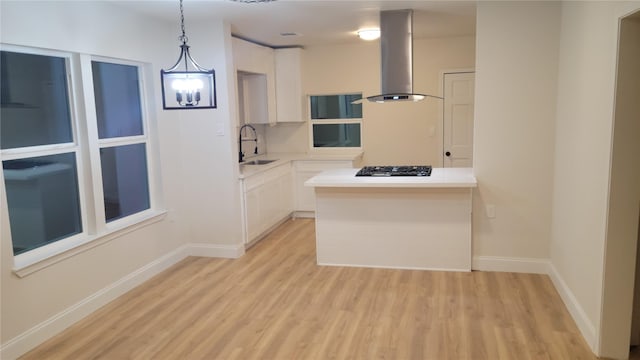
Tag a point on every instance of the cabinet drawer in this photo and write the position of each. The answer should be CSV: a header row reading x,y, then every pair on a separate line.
x,y
277,172
253,182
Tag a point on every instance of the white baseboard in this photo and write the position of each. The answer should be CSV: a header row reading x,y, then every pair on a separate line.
x,y
393,267
216,251
504,264
304,214
578,314
31,338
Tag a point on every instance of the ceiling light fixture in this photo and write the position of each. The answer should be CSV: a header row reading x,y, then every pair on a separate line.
x,y
369,34
184,88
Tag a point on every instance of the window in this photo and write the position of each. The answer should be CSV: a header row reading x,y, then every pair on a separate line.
x,y
336,121
40,156
122,142
55,160
35,100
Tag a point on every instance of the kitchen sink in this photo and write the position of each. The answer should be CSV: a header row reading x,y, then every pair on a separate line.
x,y
258,162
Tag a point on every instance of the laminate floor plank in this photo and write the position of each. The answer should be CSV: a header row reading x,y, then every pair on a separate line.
x,y
276,303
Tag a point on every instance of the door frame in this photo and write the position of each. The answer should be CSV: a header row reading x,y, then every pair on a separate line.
x,y
440,123
618,275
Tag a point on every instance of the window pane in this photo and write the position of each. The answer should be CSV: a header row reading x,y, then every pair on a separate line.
x,y
42,195
336,107
336,135
34,100
117,94
124,179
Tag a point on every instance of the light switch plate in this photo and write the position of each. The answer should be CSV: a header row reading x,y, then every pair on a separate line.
x,y
491,211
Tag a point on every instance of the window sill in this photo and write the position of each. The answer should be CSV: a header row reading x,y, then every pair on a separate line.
x,y
26,264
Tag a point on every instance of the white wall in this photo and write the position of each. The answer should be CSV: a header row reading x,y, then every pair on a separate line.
x,y
516,73
287,137
393,133
199,170
583,133
584,126
624,198
209,163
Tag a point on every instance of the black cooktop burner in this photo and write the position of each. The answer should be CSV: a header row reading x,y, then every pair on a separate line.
x,y
410,170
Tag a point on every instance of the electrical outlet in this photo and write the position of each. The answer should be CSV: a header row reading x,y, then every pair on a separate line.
x,y
491,211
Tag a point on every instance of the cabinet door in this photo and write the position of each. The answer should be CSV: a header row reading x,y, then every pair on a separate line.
x,y
257,60
270,71
255,102
251,57
286,187
285,183
253,213
305,196
289,99
270,201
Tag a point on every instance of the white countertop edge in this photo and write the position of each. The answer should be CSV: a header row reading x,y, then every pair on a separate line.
x,y
282,158
440,178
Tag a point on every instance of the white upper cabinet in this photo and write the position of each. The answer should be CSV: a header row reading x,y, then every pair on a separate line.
x,y
258,91
289,99
253,58
253,99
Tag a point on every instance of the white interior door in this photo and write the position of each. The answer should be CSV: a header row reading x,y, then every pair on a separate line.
x,y
458,119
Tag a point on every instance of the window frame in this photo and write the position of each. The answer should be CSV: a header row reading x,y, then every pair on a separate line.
x,y
86,146
95,143
312,122
74,146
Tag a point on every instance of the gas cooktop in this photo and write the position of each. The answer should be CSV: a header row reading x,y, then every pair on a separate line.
x,y
407,170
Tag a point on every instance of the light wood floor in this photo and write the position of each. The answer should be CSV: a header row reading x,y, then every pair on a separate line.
x,y
276,303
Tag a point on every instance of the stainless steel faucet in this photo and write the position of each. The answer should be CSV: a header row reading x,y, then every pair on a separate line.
x,y
240,140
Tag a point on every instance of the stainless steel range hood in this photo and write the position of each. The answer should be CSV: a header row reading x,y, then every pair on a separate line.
x,y
396,45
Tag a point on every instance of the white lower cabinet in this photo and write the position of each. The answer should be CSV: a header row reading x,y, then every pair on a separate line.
x,y
252,213
273,195
305,198
267,199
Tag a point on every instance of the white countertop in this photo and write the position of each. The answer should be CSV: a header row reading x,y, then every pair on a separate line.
x,y
440,178
281,158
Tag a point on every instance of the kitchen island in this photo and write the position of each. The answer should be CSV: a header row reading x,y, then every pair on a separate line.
x,y
420,222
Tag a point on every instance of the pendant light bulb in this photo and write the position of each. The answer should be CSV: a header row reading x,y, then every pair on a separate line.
x,y
187,84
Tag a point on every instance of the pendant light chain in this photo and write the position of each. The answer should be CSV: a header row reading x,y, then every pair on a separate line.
x,y
183,37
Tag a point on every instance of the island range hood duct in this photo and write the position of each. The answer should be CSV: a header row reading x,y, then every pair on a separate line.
x,y
396,50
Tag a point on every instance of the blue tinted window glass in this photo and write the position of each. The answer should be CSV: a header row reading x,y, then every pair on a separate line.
x,y
42,196
124,180
117,95
336,107
336,135
34,100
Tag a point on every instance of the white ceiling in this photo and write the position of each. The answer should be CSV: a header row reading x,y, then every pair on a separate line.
x,y
317,21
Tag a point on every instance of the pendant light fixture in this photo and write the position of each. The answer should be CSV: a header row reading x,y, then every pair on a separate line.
x,y
187,85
